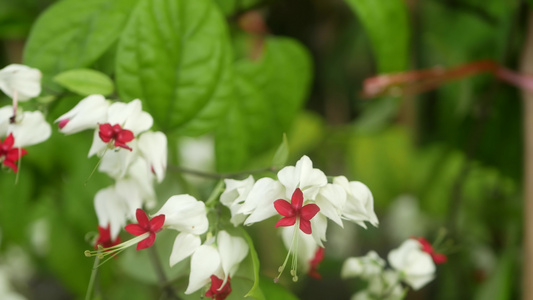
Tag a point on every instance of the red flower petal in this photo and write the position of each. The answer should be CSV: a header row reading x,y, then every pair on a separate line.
x,y
439,258
215,291
8,142
147,242
305,226
284,208
297,199
309,211
105,132
11,165
63,123
15,154
142,218
135,229
287,221
156,223
124,136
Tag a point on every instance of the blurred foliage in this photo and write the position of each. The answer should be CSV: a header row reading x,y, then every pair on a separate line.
x,y
457,150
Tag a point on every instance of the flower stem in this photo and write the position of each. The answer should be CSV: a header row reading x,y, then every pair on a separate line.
x,y
94,272
219,188
170,294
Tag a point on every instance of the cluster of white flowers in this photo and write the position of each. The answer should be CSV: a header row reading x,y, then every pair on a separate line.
x,y
129,153
413,263
305,199
19,128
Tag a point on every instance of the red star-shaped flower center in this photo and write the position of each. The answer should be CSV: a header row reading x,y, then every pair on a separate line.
x,y
9,155
145,225
116,134
294,211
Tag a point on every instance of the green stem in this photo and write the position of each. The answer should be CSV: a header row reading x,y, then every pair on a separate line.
x,y
219,188
93,277
161,274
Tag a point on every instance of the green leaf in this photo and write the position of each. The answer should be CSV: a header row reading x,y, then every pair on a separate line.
x,y
386,23
255,291
282,154
85,82
265,104
230,7
175,56
73,34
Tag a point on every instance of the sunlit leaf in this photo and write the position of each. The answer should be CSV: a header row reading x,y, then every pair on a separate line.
x,y
387,25
175,56
85,82
73,34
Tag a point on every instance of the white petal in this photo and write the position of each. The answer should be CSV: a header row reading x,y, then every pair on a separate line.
x,y
110,210
260,201
319,224
302,176
359,206
24,80
205,262
130,194
87,114
153,147
98,146
330,200
233,250
185,213
184,246
31,128
115,162
130,116
5,114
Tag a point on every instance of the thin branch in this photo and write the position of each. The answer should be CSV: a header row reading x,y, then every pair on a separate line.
x,y
198,173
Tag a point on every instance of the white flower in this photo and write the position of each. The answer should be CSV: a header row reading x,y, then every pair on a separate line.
x,y
386,286
359,206
365,266
221,260
87,114
129,116
20,80
415,266
153,147
234,196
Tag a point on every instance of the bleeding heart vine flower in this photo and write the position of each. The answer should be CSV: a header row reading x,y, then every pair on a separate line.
x,y
234,196
415,266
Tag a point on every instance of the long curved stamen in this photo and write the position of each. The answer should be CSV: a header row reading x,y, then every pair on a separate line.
x,y
292,252
102,252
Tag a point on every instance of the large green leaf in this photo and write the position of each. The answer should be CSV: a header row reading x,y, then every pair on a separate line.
x,y
85,82
268,94
387,25
229,7
73,34
175,56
